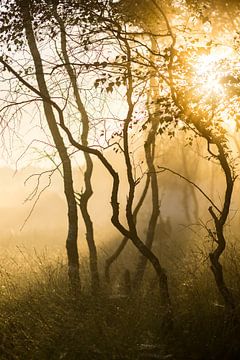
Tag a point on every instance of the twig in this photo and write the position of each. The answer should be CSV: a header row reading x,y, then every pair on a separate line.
x,y
162,168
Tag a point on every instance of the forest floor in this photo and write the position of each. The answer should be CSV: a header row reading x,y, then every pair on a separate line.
x,y
41,319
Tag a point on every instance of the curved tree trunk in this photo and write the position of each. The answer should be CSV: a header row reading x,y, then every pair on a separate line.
x,y
221,218
71,242
149,153
149,148
86,195
95,281
124,241
144,250
219,222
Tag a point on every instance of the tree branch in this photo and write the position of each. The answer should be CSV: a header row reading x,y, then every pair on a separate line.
x,y
162,169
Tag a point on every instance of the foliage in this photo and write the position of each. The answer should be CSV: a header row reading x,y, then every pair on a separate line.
x,y
164,64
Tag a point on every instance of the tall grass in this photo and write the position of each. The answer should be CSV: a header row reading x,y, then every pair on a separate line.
x,y
40,318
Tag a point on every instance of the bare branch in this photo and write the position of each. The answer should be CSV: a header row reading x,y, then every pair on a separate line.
x,y
162,169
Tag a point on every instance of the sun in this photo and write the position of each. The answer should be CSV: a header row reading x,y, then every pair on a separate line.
x,y
208,71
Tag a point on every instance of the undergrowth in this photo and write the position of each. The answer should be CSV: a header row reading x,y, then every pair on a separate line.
x,y
40,318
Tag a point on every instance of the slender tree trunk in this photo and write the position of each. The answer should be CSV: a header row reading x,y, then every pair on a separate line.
x,y
71,242
110,260
219,222
220,219
149,148
149,154
144,250
95,281
217,268
86,195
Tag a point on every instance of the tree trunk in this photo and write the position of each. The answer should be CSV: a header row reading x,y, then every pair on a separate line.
x,y
149,154
144,250
149,148
219,223
86,195
71,242
219,220
216,266
120,248
95,281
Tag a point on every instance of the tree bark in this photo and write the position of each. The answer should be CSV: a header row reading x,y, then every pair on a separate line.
x,y
86,195
144,250
149,148
110,260
219,222
71,242
149,153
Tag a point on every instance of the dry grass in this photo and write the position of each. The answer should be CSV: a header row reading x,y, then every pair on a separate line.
x,y
40,319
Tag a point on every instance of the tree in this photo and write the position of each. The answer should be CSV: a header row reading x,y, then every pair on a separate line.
x,y
185,93
13,33
122,66
86,195
29,21
162,86
150,148
205,116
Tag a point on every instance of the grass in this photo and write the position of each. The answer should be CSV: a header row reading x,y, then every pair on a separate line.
x,y
40,319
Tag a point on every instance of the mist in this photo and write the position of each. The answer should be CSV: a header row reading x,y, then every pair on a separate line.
x,y
119,180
